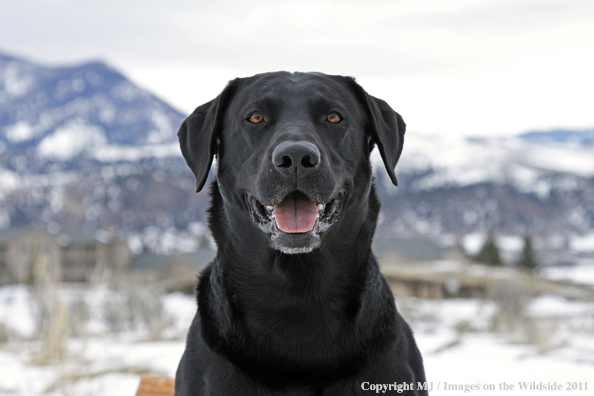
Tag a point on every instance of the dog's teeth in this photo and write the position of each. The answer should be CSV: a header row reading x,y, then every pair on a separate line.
x,y
270,207
321,207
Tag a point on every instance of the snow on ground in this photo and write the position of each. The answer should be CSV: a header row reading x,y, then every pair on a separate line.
x,y
582,273
456,338
16,313
584,243
468,354
484,360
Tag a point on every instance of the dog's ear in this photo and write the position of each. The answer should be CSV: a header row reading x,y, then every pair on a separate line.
x,y
386,128
198,135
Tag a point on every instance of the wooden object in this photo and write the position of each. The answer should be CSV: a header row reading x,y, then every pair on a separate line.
x,y
156,386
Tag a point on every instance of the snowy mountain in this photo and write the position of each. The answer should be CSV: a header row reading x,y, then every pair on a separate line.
x,y
58,113
82,146
516,161
508,185
585,136
511,186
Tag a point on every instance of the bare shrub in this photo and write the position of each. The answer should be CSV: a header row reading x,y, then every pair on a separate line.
x,y
148,309
116,310
511,317
513,321
3,333
418,314
79,315
134,307
52,314
53,335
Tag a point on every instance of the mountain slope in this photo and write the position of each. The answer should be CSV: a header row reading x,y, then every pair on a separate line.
x,y
508,185
61,112
584,137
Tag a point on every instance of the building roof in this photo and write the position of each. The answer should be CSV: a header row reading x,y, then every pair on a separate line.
x,y
148,261
201,257
65,236
414,249
8,233
153,261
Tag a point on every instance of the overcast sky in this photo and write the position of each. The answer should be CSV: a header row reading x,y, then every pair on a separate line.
x,y
464,67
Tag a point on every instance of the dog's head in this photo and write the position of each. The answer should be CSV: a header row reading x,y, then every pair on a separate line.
x,y
293,151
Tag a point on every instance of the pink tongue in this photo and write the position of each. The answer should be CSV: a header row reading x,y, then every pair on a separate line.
x,y
296,213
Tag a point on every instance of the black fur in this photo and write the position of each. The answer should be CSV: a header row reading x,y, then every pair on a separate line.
x,y
284,313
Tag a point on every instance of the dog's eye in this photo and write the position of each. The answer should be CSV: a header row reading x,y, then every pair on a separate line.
x,y
256,118
333,118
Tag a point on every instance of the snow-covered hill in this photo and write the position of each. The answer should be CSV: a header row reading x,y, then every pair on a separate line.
x,y
522,163
508,185
584,136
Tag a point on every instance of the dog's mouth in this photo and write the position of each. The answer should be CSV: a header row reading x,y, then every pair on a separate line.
x,y
296,213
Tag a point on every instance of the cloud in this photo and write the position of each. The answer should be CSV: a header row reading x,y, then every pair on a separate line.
x,y
446,54
369,38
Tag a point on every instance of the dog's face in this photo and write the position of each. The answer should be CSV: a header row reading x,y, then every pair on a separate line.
x,y
293,151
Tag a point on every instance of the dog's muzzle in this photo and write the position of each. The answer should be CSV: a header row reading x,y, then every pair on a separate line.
x,y
296,222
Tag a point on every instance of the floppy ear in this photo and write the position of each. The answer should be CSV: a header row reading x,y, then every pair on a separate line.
x,y
387,129
388,133
198,136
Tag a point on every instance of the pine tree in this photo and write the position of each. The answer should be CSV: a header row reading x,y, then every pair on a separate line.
x,y
489,253
528,259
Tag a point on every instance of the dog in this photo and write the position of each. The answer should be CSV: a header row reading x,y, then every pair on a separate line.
x,y
294,302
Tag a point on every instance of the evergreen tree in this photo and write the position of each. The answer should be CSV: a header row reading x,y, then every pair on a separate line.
x,y
489,253
528,259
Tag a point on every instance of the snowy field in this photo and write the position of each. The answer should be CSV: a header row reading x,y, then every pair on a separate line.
x,y
583,273
99,340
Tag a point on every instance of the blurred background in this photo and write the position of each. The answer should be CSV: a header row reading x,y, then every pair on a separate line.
x,y
488,241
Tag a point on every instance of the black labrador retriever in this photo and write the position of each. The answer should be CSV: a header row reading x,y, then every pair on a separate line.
x,y
294,302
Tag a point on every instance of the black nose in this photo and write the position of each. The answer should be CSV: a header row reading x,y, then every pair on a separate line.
x,y
299,157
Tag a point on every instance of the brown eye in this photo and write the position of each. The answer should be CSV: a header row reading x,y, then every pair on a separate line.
x,y
333,118
256,118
